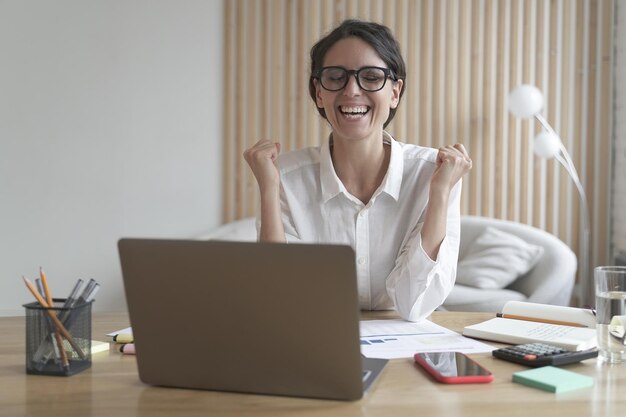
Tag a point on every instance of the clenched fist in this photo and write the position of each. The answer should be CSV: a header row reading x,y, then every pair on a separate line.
x,y
452,163
261,158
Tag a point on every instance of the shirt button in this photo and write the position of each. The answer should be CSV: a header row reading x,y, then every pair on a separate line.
x,y
361,261
361,213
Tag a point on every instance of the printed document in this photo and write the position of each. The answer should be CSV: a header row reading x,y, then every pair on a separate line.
x,y
392,339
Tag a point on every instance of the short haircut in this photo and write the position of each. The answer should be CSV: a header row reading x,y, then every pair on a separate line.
x,y
377,36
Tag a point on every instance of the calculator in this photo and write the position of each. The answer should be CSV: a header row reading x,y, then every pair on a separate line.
x,y
541,354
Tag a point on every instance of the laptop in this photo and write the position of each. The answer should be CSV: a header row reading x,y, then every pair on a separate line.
x,y
264,318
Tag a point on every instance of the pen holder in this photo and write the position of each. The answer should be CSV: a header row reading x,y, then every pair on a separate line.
x,y
58,339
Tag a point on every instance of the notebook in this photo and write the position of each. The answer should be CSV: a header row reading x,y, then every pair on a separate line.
x,y
260,318
521,331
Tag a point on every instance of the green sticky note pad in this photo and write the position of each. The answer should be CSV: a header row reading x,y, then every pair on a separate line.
x,y
552,379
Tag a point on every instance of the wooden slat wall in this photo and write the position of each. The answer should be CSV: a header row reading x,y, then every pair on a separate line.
x,y
463,58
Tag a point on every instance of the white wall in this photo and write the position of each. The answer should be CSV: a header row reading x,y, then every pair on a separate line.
x,y
110,126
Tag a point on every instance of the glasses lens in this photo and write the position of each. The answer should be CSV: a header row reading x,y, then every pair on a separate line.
x,y
369,78
334,78
372,79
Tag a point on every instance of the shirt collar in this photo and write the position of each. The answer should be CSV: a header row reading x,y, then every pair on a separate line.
x,y
393,179
332,185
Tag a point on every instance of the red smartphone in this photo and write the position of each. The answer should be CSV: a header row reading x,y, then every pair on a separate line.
x,y
453,368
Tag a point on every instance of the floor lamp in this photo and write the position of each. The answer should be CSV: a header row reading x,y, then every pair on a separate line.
x,y
526,101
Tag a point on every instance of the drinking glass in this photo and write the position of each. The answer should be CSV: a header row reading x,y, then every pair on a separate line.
x,y
610,282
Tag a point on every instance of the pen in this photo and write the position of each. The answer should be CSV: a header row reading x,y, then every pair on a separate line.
x,y
86,296
548,321
57,337
71,299
128,349
90,290
70,302
92,293
86,291
39,287
54,318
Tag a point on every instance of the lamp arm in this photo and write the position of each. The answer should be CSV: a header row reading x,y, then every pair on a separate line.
x,y
563,162
545,123
570,163
571,169
586,289
581,191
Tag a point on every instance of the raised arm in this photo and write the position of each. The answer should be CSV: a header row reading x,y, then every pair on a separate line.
x,y
262,161
426,265
452,163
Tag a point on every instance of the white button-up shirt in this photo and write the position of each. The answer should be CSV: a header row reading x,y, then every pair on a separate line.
x,y
393,270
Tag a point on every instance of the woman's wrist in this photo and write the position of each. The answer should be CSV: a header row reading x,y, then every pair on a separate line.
x,y
271,222
269,190
438,196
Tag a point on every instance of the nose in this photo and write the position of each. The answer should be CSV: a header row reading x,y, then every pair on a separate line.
x,y
352,87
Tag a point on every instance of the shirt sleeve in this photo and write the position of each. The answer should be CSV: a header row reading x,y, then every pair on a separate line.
x,y
291,234
418,285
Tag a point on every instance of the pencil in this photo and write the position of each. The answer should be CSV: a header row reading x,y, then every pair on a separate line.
x,y
57,336
548,321
54,318
44,283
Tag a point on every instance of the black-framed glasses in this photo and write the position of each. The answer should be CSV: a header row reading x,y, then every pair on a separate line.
x,y
368,78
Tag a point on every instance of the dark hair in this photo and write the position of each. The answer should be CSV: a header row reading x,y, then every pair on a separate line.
x,y
376,35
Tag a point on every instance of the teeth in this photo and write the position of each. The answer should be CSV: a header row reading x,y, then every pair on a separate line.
x,y
357,109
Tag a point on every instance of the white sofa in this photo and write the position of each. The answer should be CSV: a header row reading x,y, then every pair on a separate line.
x,y
550,281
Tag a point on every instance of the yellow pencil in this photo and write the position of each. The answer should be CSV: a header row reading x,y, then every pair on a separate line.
x,y
57,336
54,318
46,289
561,323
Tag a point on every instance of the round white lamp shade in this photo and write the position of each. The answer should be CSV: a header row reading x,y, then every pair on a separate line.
x,y
525,101
547,145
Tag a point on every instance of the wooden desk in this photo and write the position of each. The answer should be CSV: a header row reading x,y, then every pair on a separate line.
x,y
111,388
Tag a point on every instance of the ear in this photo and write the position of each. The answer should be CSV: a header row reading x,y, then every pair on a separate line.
x,y
318,94
395,93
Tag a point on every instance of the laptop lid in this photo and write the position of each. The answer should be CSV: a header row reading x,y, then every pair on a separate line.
x,y
247,317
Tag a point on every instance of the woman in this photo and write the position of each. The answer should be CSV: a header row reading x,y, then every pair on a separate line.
x,y
397,205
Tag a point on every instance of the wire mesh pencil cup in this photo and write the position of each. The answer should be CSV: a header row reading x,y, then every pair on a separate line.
x,y
48,351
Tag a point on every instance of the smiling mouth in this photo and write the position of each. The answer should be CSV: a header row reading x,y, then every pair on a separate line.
x,y
354,111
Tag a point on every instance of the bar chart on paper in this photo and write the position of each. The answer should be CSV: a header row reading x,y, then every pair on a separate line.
x,y
392,339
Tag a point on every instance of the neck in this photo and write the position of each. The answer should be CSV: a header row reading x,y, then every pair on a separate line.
x,y
361,165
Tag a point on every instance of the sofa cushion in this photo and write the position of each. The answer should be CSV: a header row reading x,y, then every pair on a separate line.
x,y
495,259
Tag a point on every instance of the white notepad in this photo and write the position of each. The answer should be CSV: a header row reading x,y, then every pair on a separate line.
x,y
521,331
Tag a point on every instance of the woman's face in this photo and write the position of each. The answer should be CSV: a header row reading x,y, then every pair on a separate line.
x,y
353,113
